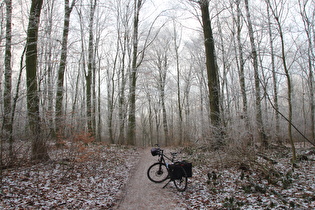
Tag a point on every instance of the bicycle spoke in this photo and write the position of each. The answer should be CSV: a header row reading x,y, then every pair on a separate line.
x,y
158,173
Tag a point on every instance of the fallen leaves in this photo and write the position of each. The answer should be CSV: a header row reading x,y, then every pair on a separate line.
x,y
233,189
95,183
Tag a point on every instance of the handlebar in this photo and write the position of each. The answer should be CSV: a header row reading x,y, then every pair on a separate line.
x,y
161,153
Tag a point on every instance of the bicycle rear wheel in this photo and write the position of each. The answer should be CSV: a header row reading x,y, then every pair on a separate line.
x,y
181,183
158,173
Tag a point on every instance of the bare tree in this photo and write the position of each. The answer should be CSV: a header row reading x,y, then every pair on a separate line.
x,y
133,76
39,149
90,71
124,39
308,21
274,77
277,16
160,63
62,65
7,123
241,62
177,41
48,55
212,68
259,121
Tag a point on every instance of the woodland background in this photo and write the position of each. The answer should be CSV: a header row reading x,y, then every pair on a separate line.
x,y
134,72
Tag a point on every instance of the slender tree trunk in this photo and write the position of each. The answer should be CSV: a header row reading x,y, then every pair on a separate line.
x,y
179,100
39,149
7,123
288,77
93,88
122,112
150,121
110,98
309,29
289,93
99,130
212,71
259,121
125,53
133,77
274,77
241,65
75,98
89,74
48,84
224,81
62,66
163,80
83,109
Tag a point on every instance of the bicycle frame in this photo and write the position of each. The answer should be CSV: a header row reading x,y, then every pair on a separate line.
x,y
161,168
162,155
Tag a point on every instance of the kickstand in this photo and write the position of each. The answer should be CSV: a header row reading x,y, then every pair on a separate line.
x,y
167,183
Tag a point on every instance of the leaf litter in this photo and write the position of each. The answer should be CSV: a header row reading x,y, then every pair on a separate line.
x,y
96,179
93,182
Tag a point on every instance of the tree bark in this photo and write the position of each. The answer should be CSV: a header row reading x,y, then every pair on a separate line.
x,y
7,123
39,149
241,65
212,68
179,100
89,74
309,29
162,95
122,105
288,77
131,139
259,121
161,64
62,67
274,77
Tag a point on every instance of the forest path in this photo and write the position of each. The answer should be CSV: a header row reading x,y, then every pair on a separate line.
x,y
141,193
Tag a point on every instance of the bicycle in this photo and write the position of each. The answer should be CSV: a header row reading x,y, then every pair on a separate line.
x,y
178,172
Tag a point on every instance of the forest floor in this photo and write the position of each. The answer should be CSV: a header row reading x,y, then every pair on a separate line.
x,y
98,176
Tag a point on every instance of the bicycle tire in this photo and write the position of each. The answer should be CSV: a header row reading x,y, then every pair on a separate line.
x,y
158,173
181,184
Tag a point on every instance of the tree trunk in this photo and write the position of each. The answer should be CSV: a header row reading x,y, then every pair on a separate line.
x,y
62,67
110,98
39,149
99,127
122,88
309,29
288,77
179,100
275,82
89,74
131,139
241,65
212,71
161,64
7,123
163,80
259,121
225,113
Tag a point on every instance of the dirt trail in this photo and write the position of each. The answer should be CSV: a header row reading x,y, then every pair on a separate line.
x,y
141,193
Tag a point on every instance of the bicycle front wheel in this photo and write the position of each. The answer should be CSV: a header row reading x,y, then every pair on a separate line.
x,y
158,172
181,183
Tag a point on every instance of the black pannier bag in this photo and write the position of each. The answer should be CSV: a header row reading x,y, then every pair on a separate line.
x,y
176,171
188,168
155,151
